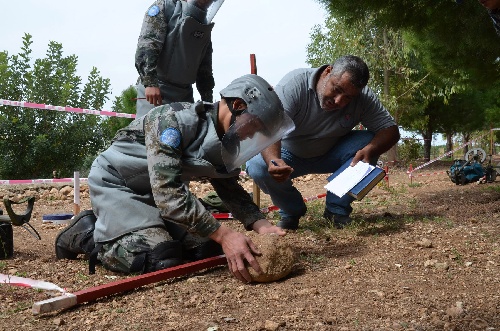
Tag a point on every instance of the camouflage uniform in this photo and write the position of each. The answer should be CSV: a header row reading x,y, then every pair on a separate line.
x,y
139,185
174,51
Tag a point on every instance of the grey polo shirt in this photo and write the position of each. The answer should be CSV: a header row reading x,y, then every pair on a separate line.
x,y
317,131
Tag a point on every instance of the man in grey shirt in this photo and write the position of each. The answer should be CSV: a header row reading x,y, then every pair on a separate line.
x,y
325,104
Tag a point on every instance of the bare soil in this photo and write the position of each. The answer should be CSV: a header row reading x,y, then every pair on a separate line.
x,y
423,255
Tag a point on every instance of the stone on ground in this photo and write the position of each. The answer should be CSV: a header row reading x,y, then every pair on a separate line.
x,y
277,259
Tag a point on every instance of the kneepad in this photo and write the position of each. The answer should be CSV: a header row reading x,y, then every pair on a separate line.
x,y
164,255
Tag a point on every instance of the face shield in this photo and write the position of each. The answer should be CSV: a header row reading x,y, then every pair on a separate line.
x,y
248,136
209,6
263,123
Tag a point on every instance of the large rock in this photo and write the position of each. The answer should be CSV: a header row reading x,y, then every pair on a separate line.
x,y
277,259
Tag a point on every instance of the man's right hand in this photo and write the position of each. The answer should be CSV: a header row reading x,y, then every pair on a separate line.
x,y
238,248
279,170
153,95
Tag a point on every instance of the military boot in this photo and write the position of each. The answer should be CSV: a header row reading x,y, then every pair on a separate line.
x,y
77,237
207,249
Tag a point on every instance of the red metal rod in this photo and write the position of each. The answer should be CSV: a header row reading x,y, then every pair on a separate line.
x,y
68,300
149,278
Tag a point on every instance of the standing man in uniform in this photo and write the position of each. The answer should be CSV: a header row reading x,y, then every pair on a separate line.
x,y
325,104
147,219
174,51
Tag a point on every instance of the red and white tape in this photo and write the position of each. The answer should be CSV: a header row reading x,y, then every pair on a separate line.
x,y
28,282
410,172
430,174
54,180
38,181
42,106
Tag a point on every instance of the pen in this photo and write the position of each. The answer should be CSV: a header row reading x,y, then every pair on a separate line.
x,y
274,162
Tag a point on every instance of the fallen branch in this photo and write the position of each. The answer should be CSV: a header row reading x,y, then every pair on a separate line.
x,y
68,300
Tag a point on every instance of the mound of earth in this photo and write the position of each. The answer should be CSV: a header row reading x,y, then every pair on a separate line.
x,y
277,259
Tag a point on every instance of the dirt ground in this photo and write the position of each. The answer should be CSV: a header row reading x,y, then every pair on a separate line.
x,y
423,255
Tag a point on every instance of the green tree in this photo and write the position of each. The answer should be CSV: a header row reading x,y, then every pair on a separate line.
x,y
491,103
409,150
447,35
416,95
466,113
35,142
125,103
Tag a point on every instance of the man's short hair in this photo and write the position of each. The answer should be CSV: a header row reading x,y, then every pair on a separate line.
x,y
355,66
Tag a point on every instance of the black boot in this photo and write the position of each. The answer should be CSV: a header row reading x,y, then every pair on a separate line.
x,y
77,237
165,255
208,249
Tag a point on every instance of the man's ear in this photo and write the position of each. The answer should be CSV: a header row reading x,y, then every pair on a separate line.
x,y
239,104
327,71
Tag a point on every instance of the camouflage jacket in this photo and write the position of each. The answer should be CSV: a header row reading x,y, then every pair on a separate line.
x,y
175,48
181,145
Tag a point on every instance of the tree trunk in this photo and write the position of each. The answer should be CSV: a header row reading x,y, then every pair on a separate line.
x,y
427,135
427,145
449,143
466,139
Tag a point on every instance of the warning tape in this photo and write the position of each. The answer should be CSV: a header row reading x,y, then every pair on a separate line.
x,y
42,106
38,181
54,180
28,282
438,158
430,174
410,172
266,209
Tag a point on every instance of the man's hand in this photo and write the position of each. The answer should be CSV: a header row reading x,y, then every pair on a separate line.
x,y
361,155
381,143
153,95
263,226
279,170
237,247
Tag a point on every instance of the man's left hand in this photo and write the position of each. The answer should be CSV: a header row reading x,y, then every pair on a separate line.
x,y
361,155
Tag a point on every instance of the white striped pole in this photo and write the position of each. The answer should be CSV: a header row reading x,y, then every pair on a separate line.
x,y
76,193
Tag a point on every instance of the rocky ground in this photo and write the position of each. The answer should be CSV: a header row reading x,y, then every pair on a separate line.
x,y
423,255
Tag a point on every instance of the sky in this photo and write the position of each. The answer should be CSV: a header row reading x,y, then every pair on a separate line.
x,y
103,34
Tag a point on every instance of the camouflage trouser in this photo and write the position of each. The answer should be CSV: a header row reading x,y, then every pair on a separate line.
x,y
120,254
